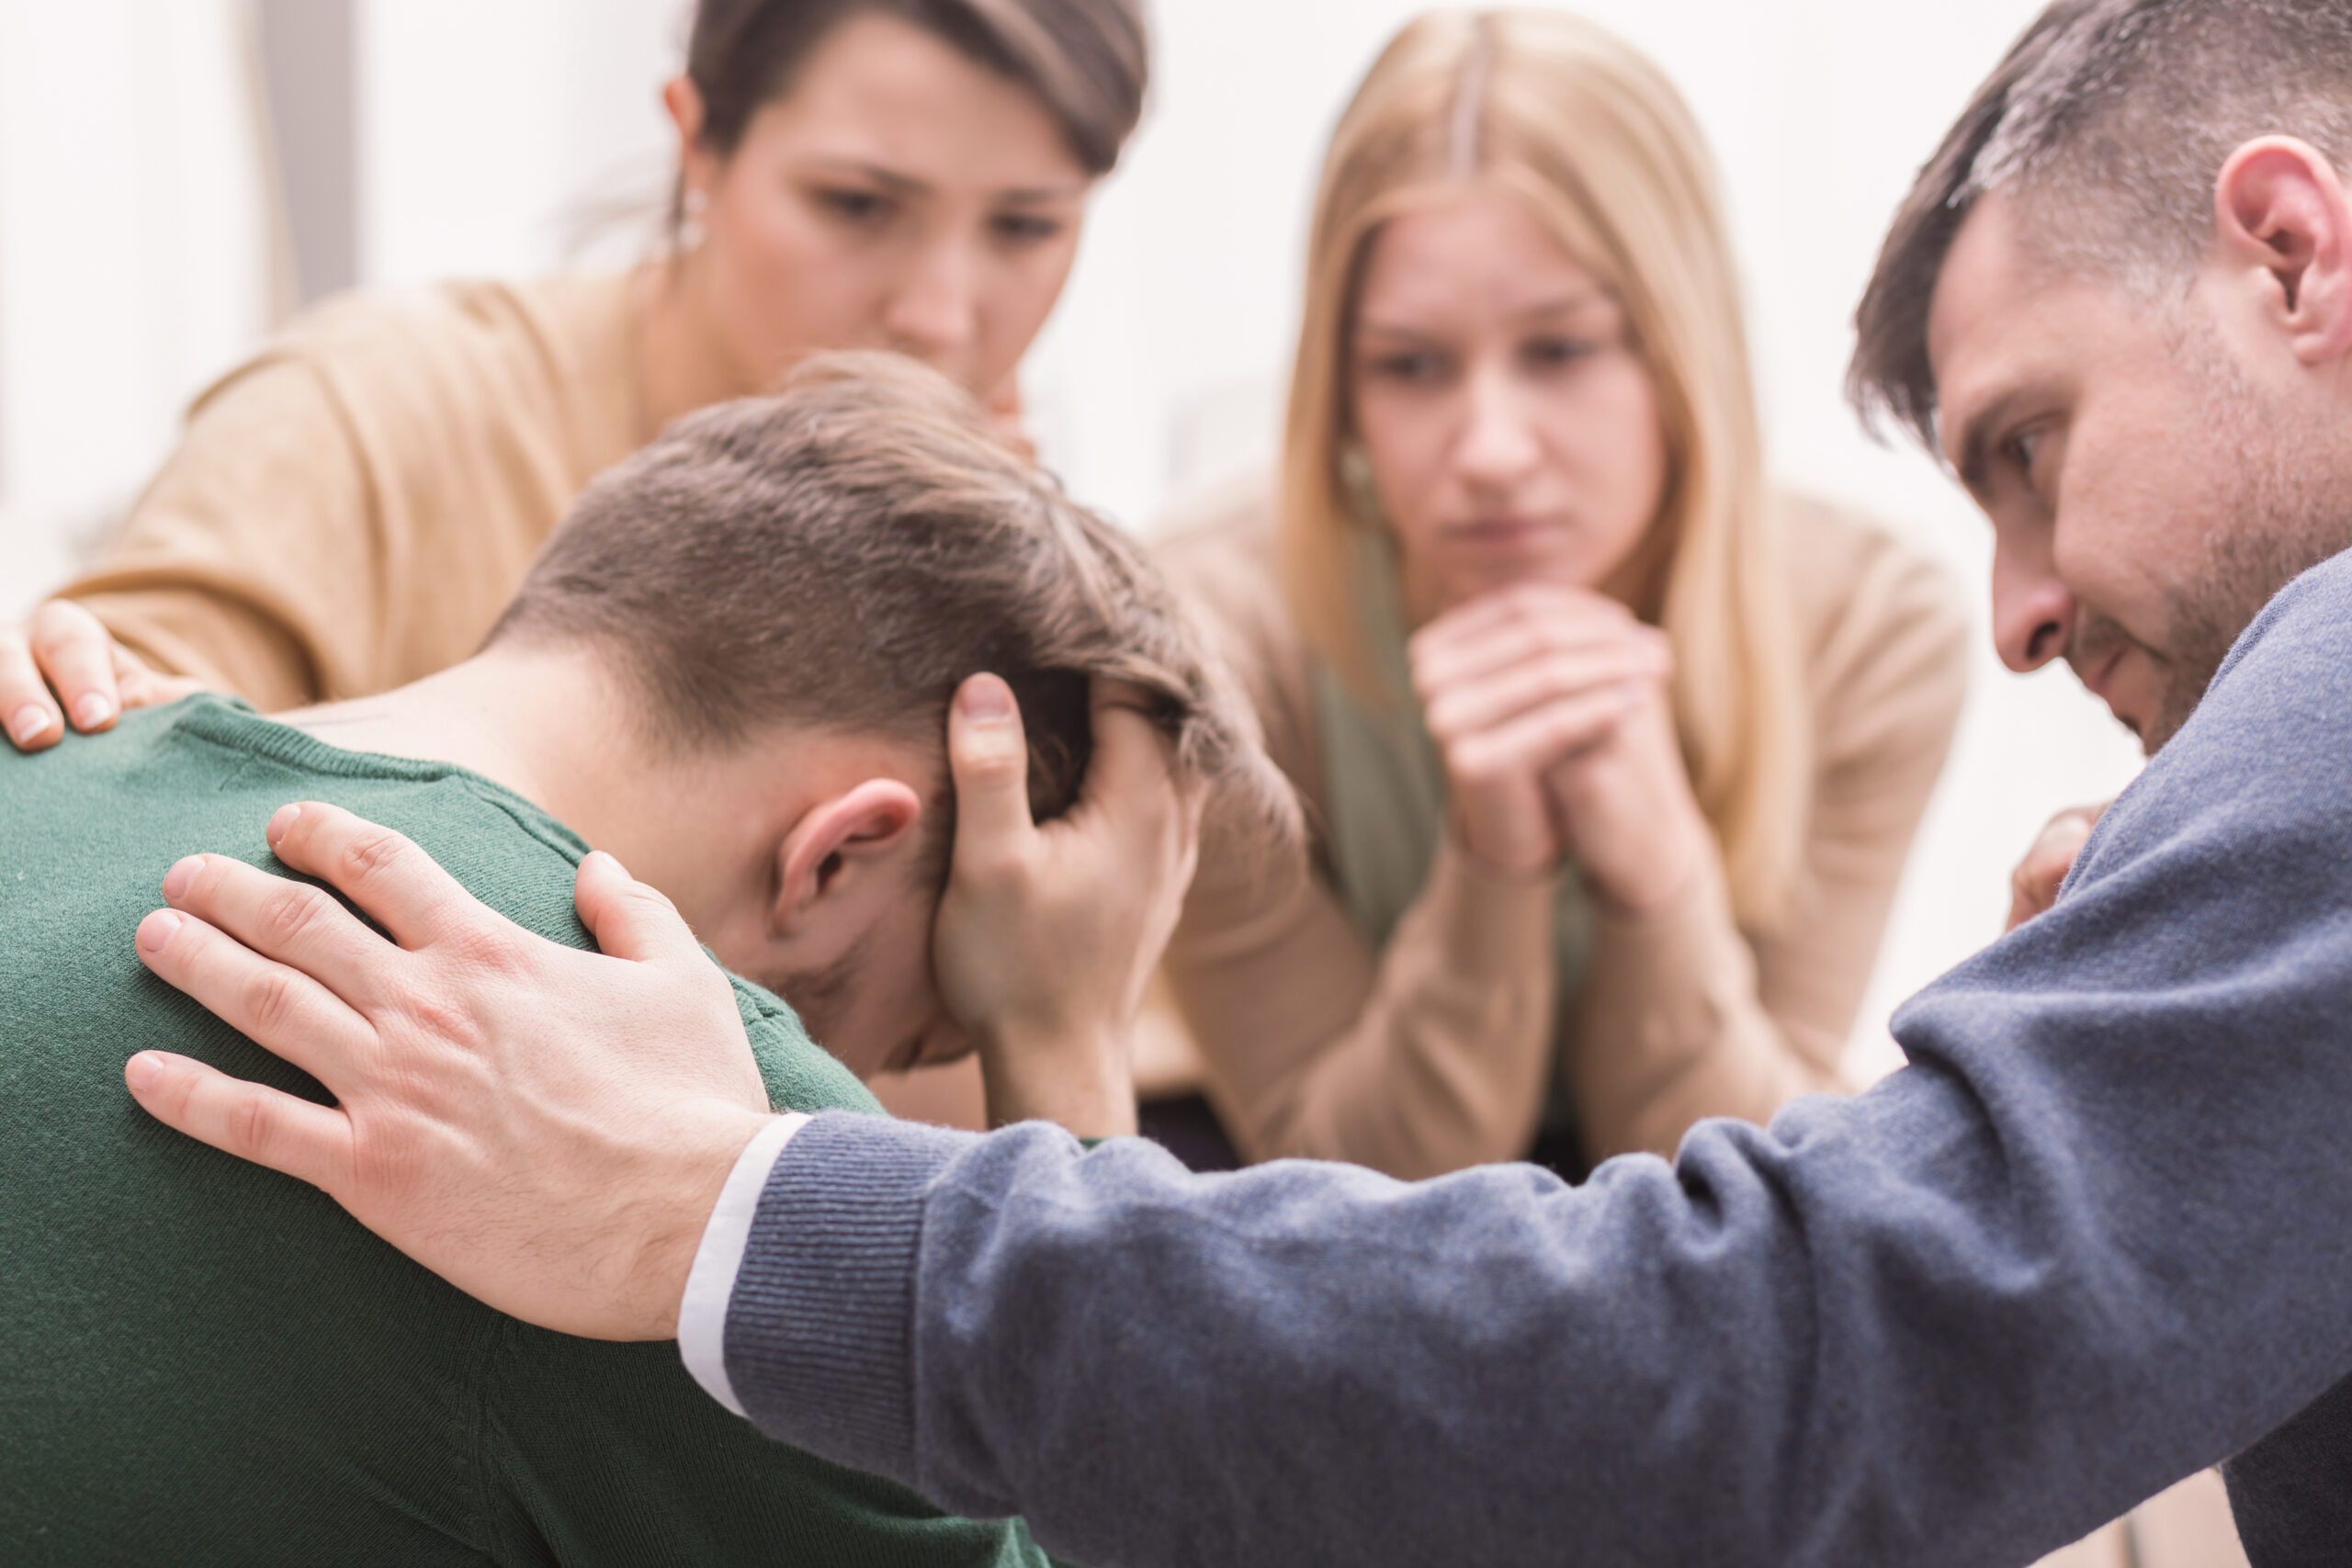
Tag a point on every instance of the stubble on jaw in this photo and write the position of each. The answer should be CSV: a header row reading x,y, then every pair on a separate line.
x,y
2278,513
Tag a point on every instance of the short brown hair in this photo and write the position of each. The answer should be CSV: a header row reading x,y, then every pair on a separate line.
x,y
845,554
1087,61
2112,119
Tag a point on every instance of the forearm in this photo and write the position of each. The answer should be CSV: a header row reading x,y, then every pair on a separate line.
x,y
1670,1029
2090,1242
1435,1061
1864,1340
262,558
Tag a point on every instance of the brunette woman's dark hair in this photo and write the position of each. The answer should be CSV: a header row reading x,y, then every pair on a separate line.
x,y
1088,60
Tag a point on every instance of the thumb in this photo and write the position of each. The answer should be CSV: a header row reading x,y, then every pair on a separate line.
x,y
989,755
628,918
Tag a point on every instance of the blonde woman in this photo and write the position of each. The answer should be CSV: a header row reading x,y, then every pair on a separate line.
x,y
1615,753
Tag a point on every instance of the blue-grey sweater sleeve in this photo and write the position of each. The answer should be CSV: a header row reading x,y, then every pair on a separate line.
x,y
2098,1235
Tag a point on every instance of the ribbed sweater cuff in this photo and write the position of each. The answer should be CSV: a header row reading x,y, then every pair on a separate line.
x,y
820,1329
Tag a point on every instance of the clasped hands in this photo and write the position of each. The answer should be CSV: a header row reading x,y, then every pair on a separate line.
x,y
1549,707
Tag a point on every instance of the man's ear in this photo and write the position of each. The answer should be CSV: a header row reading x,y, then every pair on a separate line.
x,y
2279,211
840,845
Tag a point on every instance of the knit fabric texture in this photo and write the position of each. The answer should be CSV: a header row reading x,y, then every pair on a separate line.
x,y
210,1363
2095,1238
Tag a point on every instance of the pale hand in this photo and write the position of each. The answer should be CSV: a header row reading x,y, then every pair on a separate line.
x,y
1627,813
63,664
2033,886
1513,685
547,1128
1048,934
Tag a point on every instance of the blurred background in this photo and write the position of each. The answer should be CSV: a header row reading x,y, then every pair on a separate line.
x,y
177,176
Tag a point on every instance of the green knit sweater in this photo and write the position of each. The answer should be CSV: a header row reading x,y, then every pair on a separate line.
x,y
203,1362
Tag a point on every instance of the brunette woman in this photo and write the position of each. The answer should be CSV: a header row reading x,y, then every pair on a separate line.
x,y
351,510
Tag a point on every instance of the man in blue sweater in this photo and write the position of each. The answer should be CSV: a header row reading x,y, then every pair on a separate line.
x,y
2096,1237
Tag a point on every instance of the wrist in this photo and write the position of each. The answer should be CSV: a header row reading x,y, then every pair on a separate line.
x,y
670,1207
1655,882
1497,856
1081,1078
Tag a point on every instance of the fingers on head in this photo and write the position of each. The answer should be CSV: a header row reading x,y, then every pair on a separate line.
x,y
987,755
1133,777
1129,742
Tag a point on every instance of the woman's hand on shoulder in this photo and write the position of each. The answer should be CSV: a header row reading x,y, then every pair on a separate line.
x,y
62,665
1514,686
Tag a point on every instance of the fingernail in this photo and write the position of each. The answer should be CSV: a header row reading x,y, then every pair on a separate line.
x,y
176,880
92,711
606,856
143,1070
987,701
156,932
281,824
31,720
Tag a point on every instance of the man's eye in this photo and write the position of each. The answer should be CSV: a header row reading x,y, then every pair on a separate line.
x,y
2024,448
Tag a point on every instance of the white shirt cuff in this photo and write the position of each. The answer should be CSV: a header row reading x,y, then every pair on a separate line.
x,y
701,1314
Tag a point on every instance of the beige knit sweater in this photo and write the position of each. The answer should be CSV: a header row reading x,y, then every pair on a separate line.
x,y
1433,1054
351,509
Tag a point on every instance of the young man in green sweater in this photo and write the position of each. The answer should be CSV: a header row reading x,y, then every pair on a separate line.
x,y
733,670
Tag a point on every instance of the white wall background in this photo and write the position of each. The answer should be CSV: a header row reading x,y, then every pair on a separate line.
x,y
132,267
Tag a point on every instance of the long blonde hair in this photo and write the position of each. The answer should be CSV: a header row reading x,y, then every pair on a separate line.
x,y
1603,150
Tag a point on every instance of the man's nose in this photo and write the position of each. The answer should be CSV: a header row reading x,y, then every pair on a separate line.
x,y
935,313
1498,445
2033,612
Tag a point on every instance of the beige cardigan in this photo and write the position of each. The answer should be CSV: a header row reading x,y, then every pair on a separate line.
x,y
351,509
1433,1054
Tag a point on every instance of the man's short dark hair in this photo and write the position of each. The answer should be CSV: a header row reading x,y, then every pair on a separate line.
x,y
2109,120
845,554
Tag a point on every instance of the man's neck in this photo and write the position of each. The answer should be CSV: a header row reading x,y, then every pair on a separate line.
x,y
550,725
